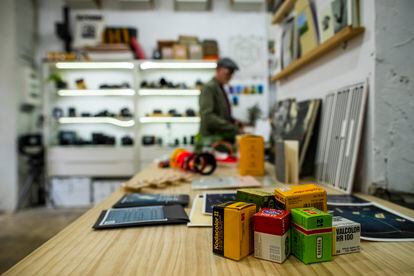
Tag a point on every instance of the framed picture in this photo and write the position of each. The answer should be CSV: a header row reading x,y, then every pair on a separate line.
x,y
88,31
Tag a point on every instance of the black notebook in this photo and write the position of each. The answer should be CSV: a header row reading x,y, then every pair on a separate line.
x,y
136,200
141,216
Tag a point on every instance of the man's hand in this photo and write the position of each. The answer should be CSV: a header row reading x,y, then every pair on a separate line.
x,y
240,125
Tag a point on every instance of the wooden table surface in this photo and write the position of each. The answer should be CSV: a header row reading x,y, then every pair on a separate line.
x,y
180,250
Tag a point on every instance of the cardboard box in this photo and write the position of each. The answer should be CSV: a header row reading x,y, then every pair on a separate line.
x,y
101,189
179,51
233,229
71,191
261,198
251,155
299,196
311,235
195,51
346,236
272,235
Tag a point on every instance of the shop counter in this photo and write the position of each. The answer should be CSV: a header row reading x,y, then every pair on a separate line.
x,y
180,250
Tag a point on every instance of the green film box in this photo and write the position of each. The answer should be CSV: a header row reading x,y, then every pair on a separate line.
x,y
311,235
261,198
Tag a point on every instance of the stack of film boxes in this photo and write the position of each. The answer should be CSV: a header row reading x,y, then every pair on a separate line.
x,y
298,224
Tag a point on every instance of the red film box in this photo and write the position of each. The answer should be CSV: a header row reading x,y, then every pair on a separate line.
x,y
272,235
272,221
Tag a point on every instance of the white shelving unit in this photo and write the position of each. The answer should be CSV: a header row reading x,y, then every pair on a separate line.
x,y
91,160
170,129
125,160
78,165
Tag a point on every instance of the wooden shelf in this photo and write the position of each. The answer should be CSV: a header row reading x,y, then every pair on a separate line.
x,y
344,35
283,11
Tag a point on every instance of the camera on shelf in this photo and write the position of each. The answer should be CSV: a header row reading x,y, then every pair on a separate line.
x,y
148,140
102,139
125,112
105,113
115,86
57,112
164,83
80,84
72,112
174,113
127,141
66,138
190,112
71,138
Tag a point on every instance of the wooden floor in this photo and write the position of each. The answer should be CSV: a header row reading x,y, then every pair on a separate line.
x,y
24,231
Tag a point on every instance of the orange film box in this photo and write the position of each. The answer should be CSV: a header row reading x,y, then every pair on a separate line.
x,y
300,196
251,155
233,229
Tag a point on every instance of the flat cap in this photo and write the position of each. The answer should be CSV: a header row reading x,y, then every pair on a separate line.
x,y
227,63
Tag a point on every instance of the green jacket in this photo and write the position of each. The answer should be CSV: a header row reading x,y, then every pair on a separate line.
x,y
215,116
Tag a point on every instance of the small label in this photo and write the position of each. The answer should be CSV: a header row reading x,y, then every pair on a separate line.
x,y
271,247
319,247
273,212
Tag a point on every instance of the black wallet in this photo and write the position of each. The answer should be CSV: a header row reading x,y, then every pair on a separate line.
x,y
141,216
136,200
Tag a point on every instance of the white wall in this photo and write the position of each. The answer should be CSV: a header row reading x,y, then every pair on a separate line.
x,y
393,137
163,23
353,62
8,110
384,54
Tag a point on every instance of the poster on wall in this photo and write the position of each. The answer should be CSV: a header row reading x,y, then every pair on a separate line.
x,y
248,87
88,31
249,52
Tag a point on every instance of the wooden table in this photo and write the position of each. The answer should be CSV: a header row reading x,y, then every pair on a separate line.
x,y
179,250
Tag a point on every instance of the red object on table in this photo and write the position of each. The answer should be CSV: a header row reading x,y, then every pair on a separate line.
x,y
272,221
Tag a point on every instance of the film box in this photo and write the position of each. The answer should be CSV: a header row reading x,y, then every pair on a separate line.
x,y
311,235
272,235
299,196
251,155
233,229
261,198
346,236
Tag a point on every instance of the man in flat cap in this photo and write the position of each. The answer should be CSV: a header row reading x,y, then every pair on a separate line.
x,y
215,109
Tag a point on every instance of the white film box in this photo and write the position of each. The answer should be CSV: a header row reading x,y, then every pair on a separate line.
x,y
346,236
273,248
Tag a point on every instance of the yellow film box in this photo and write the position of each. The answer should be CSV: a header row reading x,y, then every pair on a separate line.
x,y
300,196
233,229
251,155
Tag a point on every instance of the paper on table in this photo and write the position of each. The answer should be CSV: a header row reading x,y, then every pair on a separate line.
x,y
378,223
197,218
227,182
